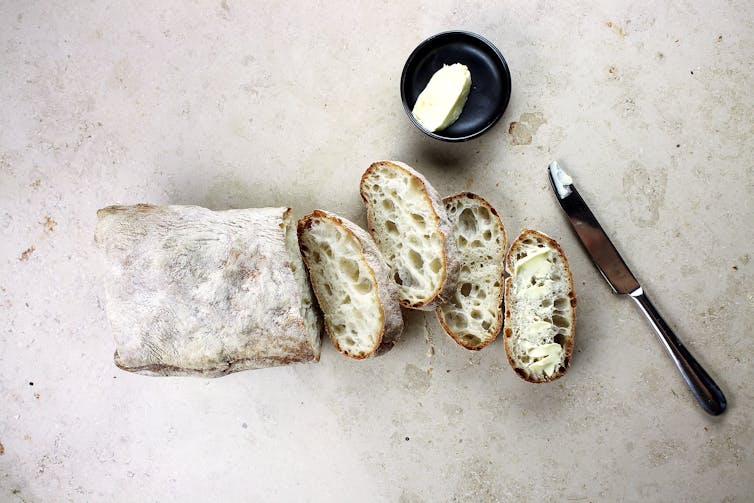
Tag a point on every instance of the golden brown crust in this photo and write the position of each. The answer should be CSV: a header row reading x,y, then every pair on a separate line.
x,y
461,342
571,294
449,264
448,330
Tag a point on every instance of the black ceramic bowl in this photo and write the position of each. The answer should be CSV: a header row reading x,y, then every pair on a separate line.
x,y
490,81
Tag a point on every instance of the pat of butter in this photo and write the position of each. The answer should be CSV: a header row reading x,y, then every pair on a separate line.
x,y
546,365
545,350
550,358
534,265
440,103
537,292
536,331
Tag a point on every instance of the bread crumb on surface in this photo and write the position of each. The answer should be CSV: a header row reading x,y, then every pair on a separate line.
x,y
26,253
49,223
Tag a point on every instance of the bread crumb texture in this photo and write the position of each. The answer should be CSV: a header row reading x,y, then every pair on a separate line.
x,y
473,315
345,286
405,227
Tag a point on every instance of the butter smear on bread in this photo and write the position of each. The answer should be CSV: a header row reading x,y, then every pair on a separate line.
x,y
539,308
440,103
532,274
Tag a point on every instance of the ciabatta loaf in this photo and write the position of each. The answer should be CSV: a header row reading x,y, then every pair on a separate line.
x,y
356,293
473,316
408,221
201,292
540,308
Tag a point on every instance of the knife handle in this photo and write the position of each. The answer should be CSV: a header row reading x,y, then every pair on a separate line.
x,y
702,386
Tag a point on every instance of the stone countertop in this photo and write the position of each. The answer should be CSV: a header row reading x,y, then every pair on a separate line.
x,y
229,104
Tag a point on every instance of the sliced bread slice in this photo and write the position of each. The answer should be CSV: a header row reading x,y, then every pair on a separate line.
x,y
540,308
352,283
408,221
473,315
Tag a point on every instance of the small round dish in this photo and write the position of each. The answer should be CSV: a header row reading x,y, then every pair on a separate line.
x,y
490,81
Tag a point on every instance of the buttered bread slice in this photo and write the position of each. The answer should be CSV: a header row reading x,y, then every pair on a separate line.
x,y
540,308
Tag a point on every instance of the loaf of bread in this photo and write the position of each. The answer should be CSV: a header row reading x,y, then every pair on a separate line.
x,y
410,226
352,283
540,308
473,316
197,292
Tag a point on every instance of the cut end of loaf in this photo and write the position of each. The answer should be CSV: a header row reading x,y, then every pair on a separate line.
x,y
473,314
308,309
346,286
540,308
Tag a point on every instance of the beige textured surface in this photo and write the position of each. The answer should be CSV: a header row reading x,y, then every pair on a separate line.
x,y
226,104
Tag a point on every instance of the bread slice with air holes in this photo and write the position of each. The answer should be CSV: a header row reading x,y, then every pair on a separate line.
x,y
352,283
473,315
408,221
540,308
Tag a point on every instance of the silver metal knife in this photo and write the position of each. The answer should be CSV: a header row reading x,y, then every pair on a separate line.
x,y
622,281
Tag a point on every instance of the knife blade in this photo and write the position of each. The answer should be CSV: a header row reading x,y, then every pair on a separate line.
x,y
622,281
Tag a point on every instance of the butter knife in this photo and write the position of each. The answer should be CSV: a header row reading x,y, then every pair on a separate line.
x,y
622,281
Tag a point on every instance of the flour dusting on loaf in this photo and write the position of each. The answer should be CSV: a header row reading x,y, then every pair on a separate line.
x,y
192,291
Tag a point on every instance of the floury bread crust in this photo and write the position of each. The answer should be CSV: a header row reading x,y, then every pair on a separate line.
x,y
352,284
473,315
408,221
192,291
540,308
